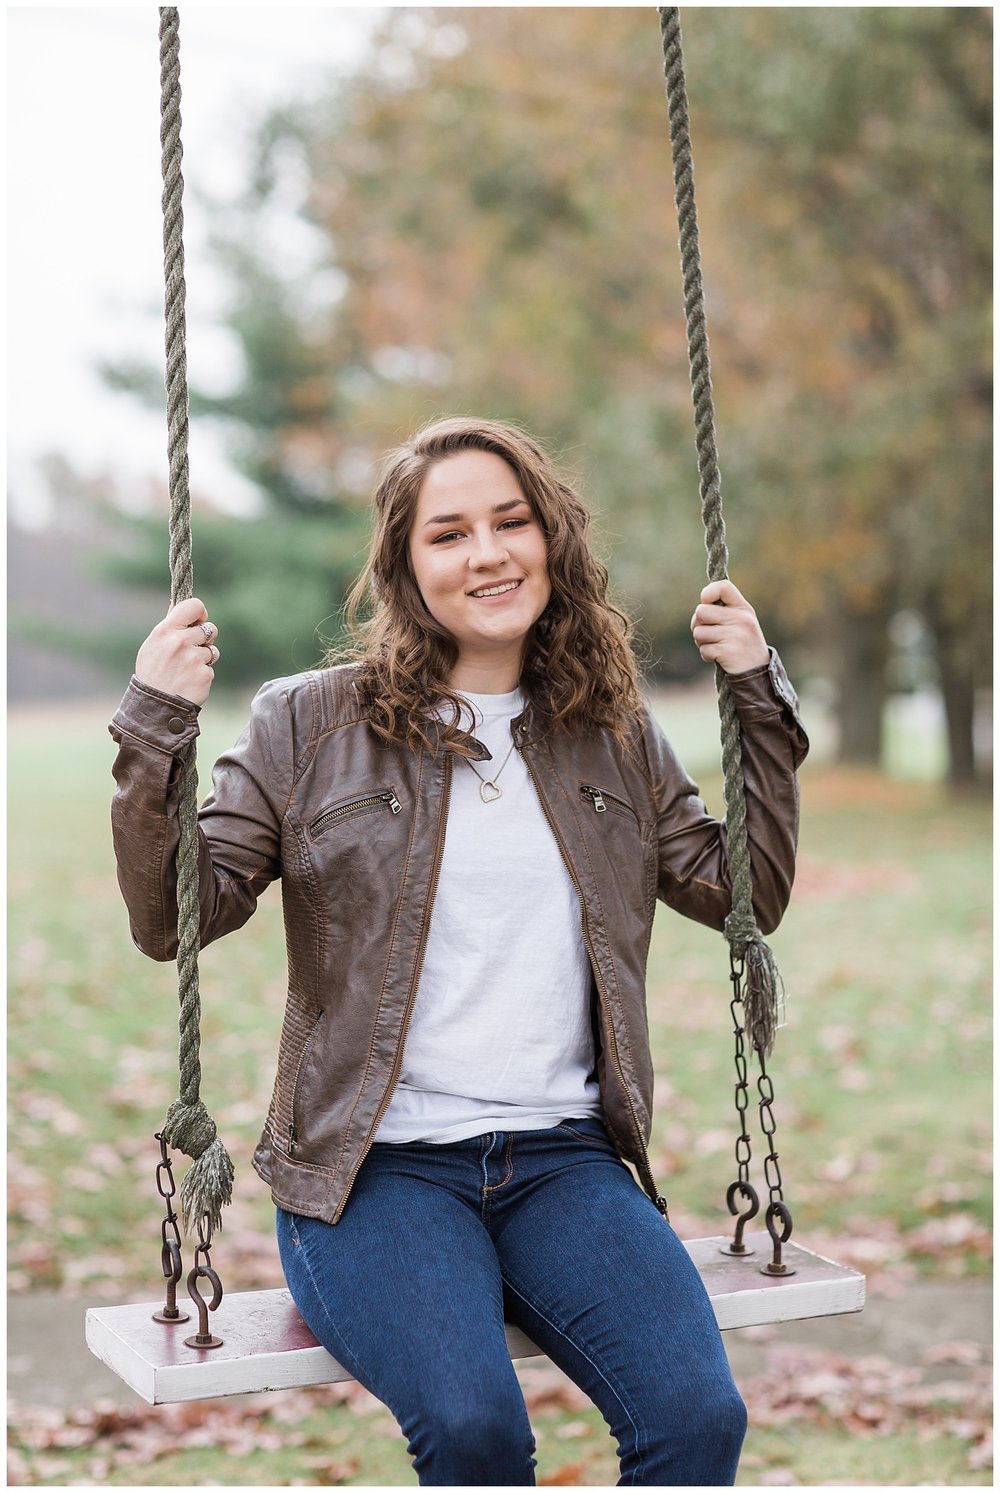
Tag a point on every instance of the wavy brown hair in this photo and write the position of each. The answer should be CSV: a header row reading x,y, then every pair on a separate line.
x,y
579,671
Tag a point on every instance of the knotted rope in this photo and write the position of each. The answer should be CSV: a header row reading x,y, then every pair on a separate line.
x,y
188,1126
762,994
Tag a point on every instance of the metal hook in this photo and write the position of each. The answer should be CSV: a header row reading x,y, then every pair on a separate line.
x,y
203,1337
173,1269
778,1211
746,1191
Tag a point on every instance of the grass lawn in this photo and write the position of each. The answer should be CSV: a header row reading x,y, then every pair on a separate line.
x,y
882,1077
300,1439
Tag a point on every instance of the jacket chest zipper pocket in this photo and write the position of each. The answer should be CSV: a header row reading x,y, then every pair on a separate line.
x,y
293,1134
384,800
603,801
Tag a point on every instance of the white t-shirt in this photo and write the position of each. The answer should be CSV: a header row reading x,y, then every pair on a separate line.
x,y
500,1034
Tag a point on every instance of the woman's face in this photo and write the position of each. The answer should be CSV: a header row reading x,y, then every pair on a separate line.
x,y
479,558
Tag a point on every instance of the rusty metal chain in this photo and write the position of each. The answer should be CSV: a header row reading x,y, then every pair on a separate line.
x,y
202,1270
742,1189
170,1239
171,1262
777,1218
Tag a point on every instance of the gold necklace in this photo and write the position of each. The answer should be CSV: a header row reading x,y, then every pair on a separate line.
x,y
489,791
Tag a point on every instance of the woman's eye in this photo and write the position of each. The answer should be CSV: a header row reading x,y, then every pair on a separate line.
x,y
508,523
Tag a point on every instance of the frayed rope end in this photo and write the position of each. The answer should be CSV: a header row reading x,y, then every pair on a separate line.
x,y
763,992
208,1184
763,995
207,1187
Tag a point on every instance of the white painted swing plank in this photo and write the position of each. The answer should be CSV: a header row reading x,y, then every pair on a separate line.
x,y
266,1345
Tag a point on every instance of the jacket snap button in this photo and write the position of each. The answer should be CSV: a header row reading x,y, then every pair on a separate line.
x,y
176,724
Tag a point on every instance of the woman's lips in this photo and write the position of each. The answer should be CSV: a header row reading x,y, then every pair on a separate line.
x,y
500,588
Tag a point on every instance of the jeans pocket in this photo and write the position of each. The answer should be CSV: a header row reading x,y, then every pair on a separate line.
x,y
588,1131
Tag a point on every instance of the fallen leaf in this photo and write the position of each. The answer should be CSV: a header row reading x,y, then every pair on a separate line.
x,y
955,1352
331,1473
981,1455
567,1476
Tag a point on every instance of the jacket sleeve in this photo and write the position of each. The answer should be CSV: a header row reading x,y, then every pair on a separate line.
x,y
692,866
239,833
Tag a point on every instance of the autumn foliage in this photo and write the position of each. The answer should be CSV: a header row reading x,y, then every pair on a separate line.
x,y
493,232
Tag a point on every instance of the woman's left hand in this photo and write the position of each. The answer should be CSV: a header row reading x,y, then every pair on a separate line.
x,y
728,634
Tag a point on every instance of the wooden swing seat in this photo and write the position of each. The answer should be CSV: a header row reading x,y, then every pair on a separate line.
x,y
266,1345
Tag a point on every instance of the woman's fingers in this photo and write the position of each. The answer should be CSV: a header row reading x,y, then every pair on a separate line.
x,y
730,619
725,592
725,628
186,613
181,652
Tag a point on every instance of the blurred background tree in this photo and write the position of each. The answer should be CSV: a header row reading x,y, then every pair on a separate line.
x,y
856,156
491,201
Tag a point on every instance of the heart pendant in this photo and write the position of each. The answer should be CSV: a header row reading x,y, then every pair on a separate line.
x,y
488,791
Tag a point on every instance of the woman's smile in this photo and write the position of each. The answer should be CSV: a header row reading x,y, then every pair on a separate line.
x,y
500,590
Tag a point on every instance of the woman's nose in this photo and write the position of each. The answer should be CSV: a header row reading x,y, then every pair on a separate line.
x,y
487,550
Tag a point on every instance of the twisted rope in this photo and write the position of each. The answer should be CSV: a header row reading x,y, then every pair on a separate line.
x,y
188,1126
763,980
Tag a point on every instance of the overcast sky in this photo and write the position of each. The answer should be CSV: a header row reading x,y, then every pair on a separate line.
x,y
84,230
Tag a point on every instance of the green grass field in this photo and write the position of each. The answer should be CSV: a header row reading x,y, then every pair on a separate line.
x,y
882,1074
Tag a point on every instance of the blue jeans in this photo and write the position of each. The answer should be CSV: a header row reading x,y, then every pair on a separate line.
x,y
439,1244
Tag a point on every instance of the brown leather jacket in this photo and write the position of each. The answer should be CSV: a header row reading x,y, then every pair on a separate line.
x,y
354,827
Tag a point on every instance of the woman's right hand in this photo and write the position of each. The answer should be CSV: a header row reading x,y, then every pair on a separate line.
x,y
180,654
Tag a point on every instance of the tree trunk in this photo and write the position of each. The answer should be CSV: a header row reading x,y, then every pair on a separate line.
x,y
861,656
956,676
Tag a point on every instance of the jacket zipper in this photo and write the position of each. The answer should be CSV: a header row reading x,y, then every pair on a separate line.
x,y
603,801
370,801
602,993
411,993
307,1049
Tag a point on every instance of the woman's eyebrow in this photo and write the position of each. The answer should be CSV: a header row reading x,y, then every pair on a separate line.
x,y
456,518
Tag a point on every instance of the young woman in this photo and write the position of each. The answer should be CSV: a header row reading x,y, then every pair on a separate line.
x,y
472,821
